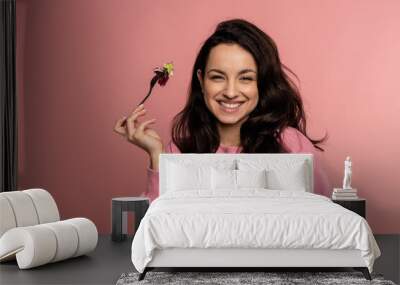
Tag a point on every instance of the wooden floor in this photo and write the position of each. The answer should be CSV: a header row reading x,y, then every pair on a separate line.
x,y
111,259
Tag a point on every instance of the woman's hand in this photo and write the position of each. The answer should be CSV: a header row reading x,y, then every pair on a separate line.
x,y
139,133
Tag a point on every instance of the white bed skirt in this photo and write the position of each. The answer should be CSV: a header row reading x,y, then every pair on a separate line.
x,y
212,257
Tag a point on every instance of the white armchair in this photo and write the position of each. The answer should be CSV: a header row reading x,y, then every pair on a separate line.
x,y
31,230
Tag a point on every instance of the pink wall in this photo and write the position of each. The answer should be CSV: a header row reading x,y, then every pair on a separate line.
x,y
83,64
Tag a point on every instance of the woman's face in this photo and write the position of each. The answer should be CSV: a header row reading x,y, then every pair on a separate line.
x,y
230,83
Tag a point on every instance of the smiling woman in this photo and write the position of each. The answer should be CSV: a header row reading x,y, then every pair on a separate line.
x,y
240,100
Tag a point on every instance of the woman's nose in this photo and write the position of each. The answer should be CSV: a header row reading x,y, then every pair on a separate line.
x,y
231,90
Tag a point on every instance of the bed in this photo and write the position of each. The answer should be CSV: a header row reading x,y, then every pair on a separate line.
x,y
245,211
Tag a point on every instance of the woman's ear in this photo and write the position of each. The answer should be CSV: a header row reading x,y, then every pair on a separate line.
x,y
200,78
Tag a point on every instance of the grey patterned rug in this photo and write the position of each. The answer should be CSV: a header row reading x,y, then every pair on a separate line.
x,y
243,278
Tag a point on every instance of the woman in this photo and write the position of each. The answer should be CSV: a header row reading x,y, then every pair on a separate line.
x,y
240,100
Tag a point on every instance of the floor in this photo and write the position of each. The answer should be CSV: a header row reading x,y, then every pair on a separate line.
x,y
111,259
102,266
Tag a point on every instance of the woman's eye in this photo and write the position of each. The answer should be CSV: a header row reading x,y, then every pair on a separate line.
x,y
243,78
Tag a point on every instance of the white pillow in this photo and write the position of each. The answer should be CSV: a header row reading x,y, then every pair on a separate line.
x,y
223,179
251,178
293,179
181,177
288,174
229,179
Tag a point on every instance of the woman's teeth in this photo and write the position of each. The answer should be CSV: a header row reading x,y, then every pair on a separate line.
x,y
230,107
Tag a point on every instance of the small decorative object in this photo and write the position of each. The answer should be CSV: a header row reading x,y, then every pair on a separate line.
x,y
347,173
162,74
347,192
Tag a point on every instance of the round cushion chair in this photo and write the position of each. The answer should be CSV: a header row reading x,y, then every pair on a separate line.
x,y
31,231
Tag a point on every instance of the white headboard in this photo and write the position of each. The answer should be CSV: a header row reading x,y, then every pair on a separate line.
x,y
194,159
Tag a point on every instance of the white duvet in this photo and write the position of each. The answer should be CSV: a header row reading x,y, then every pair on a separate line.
x,y
251,218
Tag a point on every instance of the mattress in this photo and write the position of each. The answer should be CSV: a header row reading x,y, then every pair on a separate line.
x,y
250,219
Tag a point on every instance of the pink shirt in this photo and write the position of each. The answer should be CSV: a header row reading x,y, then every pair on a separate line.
x,y
293,140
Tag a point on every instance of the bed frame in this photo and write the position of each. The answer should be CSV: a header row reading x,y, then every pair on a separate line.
x,y
242,259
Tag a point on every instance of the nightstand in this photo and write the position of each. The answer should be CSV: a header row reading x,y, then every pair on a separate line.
x,y
358,206
120,206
